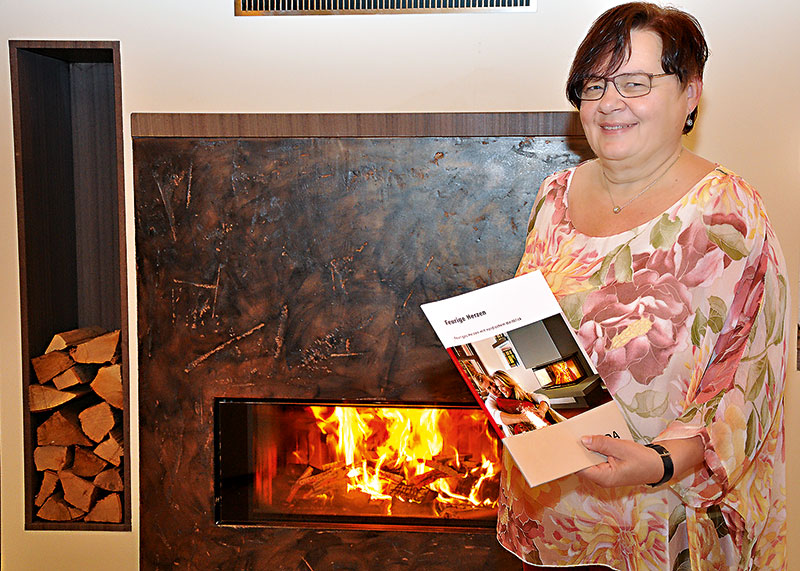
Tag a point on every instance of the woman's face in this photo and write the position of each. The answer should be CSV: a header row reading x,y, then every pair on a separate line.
x,y
503,388
640,128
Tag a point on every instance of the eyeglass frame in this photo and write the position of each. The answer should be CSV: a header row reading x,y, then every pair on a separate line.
x,y
613,79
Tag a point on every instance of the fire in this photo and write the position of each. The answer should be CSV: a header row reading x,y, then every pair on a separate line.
x,y
411,454
564,372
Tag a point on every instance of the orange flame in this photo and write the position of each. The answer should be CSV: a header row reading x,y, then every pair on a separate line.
x,y
564,372
414,447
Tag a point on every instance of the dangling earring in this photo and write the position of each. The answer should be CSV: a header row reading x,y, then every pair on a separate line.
x,y
689,121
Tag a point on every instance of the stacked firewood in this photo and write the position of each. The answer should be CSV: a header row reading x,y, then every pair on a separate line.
x,y
76,403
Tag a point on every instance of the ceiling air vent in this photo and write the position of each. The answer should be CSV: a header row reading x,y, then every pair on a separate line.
x,y
316,7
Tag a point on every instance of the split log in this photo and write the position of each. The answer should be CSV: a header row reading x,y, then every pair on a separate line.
x,y
412,493
489,488
77,491
97,421
469,465
392,477
49,365
76,375
298,484
443,467
79,447
42,398
426,478
467,511
109,480
49,482
108,385
111,449
87,464
98,349
73,337
61,429
56,509
335,471
51,457
108,509
338,469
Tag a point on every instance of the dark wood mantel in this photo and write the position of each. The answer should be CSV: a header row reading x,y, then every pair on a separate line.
x,y
240,125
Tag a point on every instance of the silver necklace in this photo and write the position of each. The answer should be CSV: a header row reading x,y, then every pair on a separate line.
x,y
617,209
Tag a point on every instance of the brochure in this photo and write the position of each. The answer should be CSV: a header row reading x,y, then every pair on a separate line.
x,y
522,362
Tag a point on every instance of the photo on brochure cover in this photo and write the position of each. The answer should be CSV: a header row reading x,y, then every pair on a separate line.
x,y
530,377
519,357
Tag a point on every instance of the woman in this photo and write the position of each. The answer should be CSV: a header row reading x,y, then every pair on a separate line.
x,y
508,386
674,281
513,409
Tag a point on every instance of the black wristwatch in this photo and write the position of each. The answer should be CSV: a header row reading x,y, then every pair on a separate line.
x,y
666,458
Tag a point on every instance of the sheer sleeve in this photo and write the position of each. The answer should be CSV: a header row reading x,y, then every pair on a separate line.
x,y
734,399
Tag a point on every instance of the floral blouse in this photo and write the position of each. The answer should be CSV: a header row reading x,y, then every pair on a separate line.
x,y
685,319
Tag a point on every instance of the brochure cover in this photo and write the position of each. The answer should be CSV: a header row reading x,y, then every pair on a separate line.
x,y
522,362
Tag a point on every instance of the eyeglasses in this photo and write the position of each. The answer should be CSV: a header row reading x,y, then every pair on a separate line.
x,y
628,85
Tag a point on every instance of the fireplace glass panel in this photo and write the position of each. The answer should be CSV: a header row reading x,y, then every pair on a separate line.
x,y
371,466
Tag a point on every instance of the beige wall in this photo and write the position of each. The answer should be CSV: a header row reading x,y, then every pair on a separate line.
x,y
195,56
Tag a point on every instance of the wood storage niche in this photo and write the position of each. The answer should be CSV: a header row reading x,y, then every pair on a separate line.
x,y
66,100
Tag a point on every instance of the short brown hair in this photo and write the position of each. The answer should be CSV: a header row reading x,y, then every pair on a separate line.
x,y
608,44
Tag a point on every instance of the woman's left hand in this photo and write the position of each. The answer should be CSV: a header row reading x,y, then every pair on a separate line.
x,y
629,463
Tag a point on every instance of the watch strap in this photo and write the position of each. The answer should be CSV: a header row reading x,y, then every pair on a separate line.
x,y
666,459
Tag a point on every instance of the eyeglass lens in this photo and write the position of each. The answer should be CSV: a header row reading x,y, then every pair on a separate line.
x,y
627,84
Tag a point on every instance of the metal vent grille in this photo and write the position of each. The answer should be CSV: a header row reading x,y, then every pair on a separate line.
x,y
316,7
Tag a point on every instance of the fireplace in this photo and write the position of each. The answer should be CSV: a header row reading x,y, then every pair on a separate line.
x,y
377,466
281,261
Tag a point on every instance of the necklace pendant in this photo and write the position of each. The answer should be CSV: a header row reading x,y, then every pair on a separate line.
x,y
616,210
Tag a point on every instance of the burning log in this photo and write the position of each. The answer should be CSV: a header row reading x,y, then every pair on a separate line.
x,y
80,443
489,487
412,493
383,477
331,471
444,468
298,484
392,477
320,481
466,511
427,478
324,480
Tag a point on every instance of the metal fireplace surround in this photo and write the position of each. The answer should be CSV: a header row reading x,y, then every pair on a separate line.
x,y
285,257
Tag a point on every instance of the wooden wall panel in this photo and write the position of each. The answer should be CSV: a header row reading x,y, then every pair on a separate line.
x,y
239,125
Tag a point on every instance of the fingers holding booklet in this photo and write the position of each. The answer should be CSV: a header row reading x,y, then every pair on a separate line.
x,y
521,360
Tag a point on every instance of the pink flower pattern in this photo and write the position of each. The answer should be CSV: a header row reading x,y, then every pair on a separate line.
x,y
685,318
